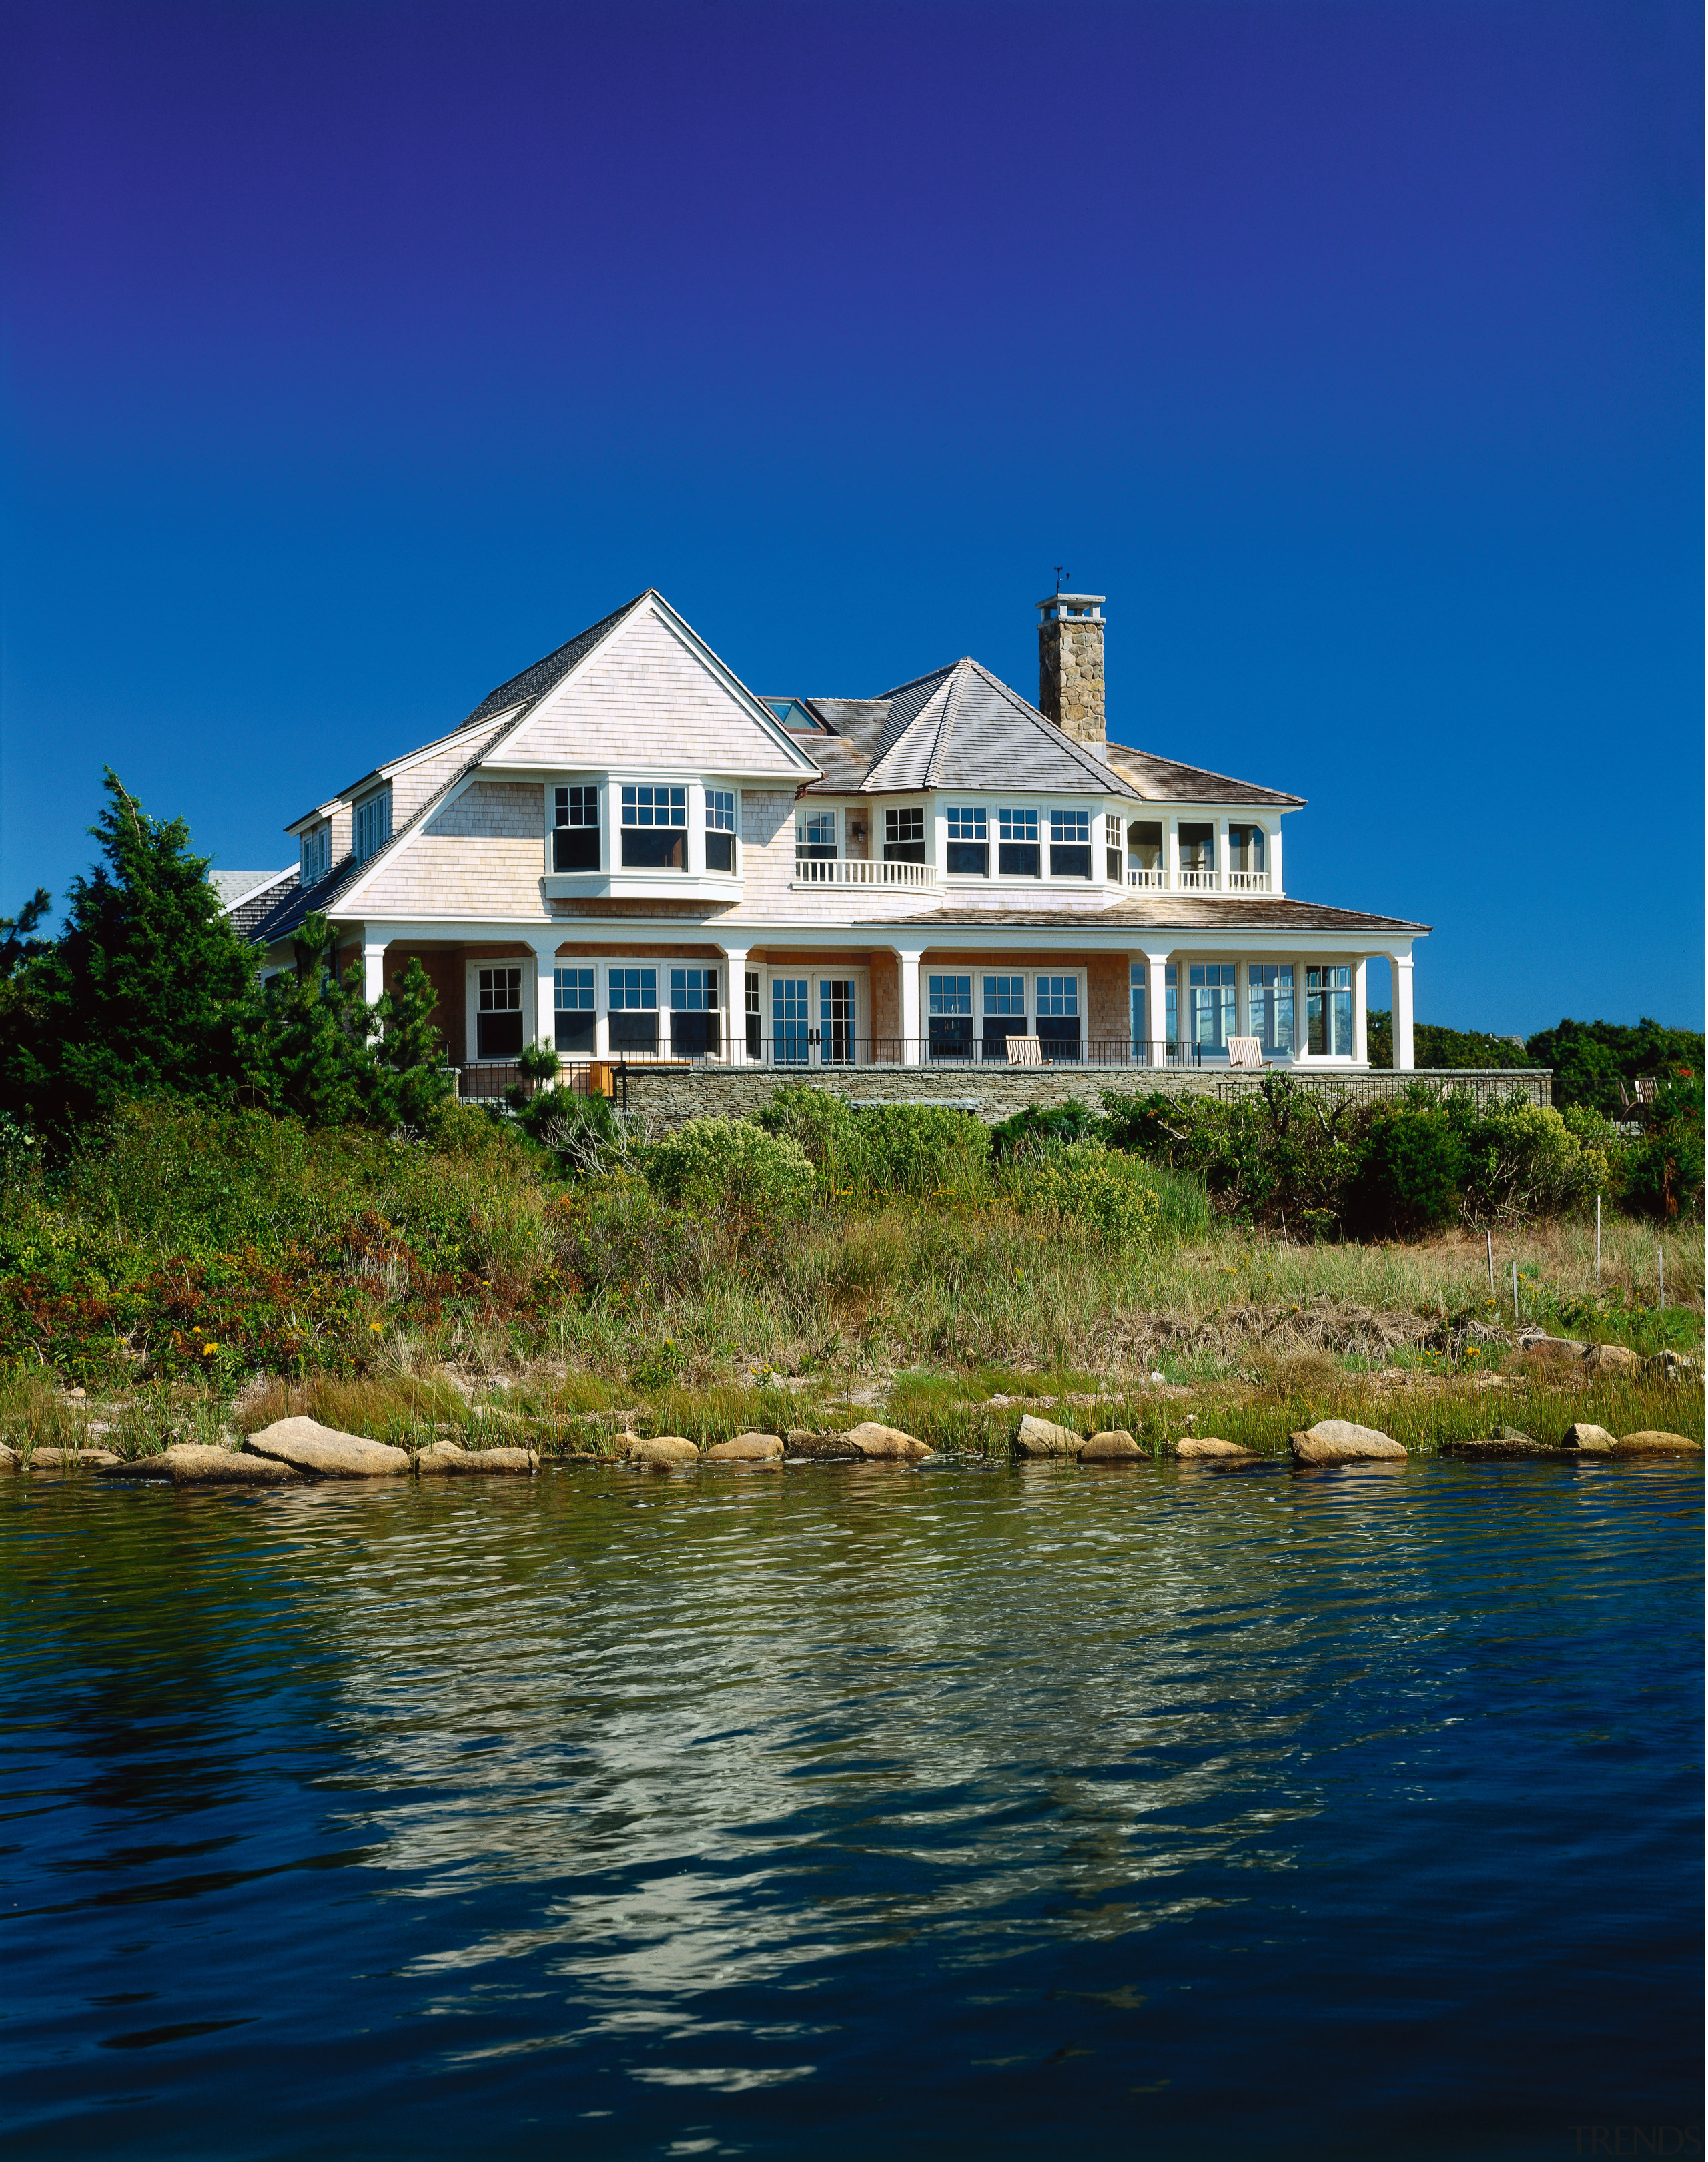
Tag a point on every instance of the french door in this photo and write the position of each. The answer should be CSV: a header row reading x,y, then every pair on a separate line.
x,y
814,1020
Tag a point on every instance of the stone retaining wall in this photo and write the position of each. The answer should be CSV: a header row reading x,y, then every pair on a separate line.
x,y
666,1096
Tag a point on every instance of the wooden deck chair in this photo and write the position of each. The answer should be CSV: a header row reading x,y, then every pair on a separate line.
x,y
1025,1051
1245,1052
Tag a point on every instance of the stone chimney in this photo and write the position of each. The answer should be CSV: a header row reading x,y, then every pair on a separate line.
x,y
1070,666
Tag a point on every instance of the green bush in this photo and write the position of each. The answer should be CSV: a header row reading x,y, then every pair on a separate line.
x,y
1661,1172
921,1150
581,1132
1041,1126
1414,1163
1107,1194
711,1163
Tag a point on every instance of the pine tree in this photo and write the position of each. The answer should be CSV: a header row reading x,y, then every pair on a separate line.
x,y
308,1049
410,1080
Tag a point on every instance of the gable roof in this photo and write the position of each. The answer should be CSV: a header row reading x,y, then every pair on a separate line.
x,y
1165,780
532,685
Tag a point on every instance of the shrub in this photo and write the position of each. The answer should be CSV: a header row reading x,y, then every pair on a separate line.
x,y
1045,1126
921,1150
581,1132
1107,1194
1662,1172
1414,1163
730,1162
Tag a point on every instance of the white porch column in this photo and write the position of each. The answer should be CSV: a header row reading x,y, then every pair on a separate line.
x,y
1171,853
373,972
601,1008
1360,1010
1272,846
545,989
912,1028
1156,1006
735,1004
1225,858
1300,1010
1402,1013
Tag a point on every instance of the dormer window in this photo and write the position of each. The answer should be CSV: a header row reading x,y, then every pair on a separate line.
x,y
720,829
370,824
655,827
815,837
1070,844
904,836
575,833
317,851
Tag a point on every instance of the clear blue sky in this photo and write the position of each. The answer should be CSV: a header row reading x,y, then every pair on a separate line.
x,y
356,355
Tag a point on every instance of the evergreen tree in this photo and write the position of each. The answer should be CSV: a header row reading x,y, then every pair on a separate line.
x,y
308,1050
410,1079
141,994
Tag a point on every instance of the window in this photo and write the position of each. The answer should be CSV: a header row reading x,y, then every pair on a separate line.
x,y
1145,845
1135,994
1113,854
836,1021
572,997
633,1009
1058,1016
968,844
815,837
1017,843
316,852
1070,844
904,836
720,829
574,832
791,1019
948,1019
694,1029
1329,1011
1198,847
1245,848
754,1014
1145,1017
653,823
1005,1013
1212,987
1269,1005
371,827
498,1020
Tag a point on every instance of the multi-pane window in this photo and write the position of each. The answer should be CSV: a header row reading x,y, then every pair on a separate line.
x,y
1017,853
634,1021
695,1029
815,836
1138,988
1005,1013
904,836
720,829
753,1013
575,829
1212,986
968,841
653,817
371,826
573,998
1328,1011
1269,1007
316,852
1114,851
498,1020
1070,844
949,1016
1058,1001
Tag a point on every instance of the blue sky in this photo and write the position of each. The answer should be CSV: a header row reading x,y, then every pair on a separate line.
x,y
356,355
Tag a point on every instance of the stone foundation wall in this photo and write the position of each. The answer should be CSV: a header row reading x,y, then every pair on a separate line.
x,y
667,1097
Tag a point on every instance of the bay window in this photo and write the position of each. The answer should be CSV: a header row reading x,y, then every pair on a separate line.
x,y
575,829
1017,851
904,836
815,836
969,842
720,829
1070,844
655,827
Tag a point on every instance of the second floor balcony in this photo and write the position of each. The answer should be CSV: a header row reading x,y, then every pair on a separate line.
x,y
860,871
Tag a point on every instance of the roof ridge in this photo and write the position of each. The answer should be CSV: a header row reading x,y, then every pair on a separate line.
x,y
1095,767
945,736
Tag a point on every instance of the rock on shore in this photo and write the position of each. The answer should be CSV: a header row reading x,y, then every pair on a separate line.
x,y
1116,1446
1044,1437
881,1445
1342,1441
663,1450
1583,1435
1653,1441
746,1448
1211,1446
822,1448
51,1459
449,1460
193,1464
325,1453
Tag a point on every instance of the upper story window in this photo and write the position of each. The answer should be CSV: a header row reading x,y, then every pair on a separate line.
x,y
1245,848
1017,843
575,831
815,836
1070,844
904,836
655,823
968,841
720,829
317,848
1114,849
370,825
1197,847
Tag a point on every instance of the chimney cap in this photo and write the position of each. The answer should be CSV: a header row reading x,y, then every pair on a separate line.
x,y
1071,604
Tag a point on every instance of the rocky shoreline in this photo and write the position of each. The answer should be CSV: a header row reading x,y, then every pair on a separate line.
x,y
299,1451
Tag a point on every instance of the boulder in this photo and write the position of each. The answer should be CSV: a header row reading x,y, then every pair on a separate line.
x,y
1612,1359
1652,1441
822,1448
193,1464
1115,1446
746,1448
1212,1447
1551,1347
658,1453
1583,1435
71,1460
1502,1444
1044,1437
324,1453
8,1457
449,1460
1341,1441
1676,1366
883,1444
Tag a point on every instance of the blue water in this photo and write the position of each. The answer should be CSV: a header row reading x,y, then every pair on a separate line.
x,y
853,1811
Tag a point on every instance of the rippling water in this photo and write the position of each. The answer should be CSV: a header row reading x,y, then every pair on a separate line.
x,y
854,1812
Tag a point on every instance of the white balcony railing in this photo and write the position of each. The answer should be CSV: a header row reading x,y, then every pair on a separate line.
x,y
860,871
1155,880
1195,881
1158,882
1248,881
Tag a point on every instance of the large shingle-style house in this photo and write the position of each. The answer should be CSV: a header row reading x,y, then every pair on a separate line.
x,y
624,852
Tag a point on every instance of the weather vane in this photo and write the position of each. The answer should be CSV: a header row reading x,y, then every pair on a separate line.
x,y
1060,575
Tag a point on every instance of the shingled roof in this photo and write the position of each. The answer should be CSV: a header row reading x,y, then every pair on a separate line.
x,y
1165,780
533,682
1181,911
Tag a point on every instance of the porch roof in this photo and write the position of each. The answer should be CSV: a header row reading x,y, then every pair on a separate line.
x,y
1174,911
